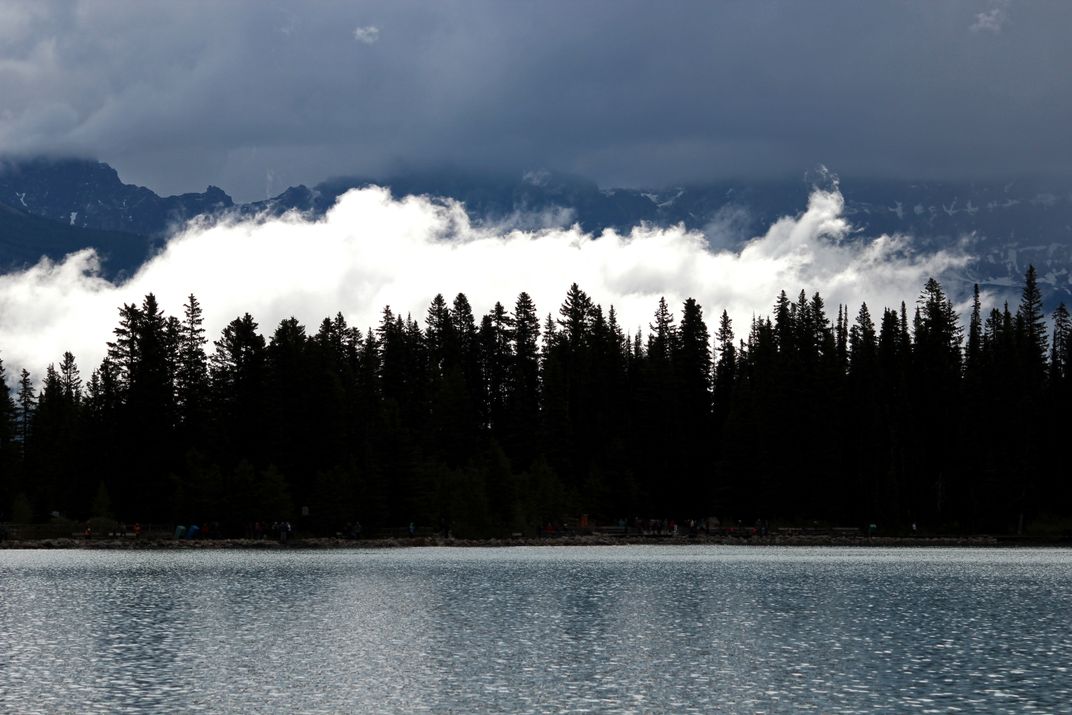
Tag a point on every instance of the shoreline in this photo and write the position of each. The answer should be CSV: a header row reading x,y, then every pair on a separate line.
x,y
332,543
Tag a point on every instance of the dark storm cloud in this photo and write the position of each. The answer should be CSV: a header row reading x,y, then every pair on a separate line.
x,y
257,95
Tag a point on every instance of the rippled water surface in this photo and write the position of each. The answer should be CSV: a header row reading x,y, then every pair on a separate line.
x,y
635,629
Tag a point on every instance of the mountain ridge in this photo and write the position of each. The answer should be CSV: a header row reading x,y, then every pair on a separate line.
x,y
1006,225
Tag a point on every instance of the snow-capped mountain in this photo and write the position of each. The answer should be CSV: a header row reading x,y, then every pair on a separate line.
x,y
1006,225
89,194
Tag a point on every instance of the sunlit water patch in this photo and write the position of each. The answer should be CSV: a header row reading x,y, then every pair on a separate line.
x,y
626,629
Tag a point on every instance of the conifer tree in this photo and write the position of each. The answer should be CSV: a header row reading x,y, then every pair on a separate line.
x,y
53,450
936,391
455,390
392,361
26,401
806,331
523,385
692,372
1061,349
237,369
937,332
123,351
550,336
726,367
888,339
567,387
8,454
70,379
693,359
861,488
301,406
1031,323
191,375
461,317
904,341
497,357
103,393
465,330
825,340
862,344
784,324
439,334
616,331
842,337
975,334
7,419
662,338
575,316
1038,486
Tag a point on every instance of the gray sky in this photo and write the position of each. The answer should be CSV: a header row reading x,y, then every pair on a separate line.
x,y
256,95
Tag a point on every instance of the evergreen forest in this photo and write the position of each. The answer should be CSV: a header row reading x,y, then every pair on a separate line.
x,y
500,424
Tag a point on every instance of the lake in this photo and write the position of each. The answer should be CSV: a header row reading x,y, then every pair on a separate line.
x,y
538,629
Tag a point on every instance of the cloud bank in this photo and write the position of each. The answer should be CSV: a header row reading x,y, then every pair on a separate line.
x,y
628,92
373,249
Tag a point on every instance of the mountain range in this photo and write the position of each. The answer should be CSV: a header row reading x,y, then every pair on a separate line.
x,y
51,207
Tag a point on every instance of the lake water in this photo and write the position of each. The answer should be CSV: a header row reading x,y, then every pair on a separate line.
x,y
606,629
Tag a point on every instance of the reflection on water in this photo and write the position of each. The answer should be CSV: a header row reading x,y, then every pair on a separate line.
x,y
538,629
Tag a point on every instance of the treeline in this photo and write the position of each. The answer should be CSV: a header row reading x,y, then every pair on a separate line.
x,y
503,424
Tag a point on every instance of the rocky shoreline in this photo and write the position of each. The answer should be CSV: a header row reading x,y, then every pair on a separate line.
x,y
299,544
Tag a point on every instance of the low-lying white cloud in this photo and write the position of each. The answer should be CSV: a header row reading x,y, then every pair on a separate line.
x,y
368,35
992,20
373,249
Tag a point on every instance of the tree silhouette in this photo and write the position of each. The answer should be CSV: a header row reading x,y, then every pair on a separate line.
x,y
502,425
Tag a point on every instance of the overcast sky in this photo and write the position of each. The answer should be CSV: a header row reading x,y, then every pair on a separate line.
x,y
254,95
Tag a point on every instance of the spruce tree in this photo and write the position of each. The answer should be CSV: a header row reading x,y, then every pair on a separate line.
x,y
1061,348
439,335
301,406
784,324
662,338
862,344
26,403
523,385
237,369
937,366
842,337
693,357
575,316
70,379
725,367
7,418
496,359
937,330
465,330
1031,323
692,373
392,361
975,334
861,490
53,452
461,317
904,337
123,351
191,375
8,455
1038,485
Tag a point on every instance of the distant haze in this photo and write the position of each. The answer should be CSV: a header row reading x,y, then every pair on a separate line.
x,y
254,95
